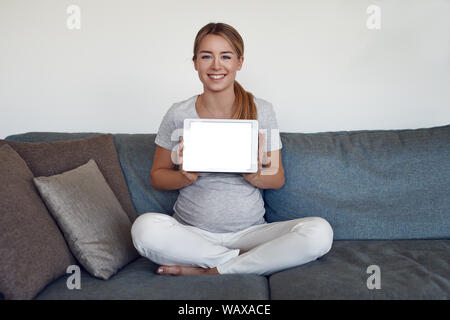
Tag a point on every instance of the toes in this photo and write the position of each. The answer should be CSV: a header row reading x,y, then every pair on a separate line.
x,y
181,270
169,270
160,270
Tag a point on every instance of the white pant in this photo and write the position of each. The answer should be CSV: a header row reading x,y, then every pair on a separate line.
x,y
271,246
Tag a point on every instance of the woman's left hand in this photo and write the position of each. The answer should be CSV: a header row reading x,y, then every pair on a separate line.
x,y
253,177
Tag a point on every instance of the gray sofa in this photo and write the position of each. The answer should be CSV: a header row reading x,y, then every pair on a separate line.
x,y
386,194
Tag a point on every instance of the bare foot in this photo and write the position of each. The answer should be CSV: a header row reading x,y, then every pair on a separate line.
x,y
184,271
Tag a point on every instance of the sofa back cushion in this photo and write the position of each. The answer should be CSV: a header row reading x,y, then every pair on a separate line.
x,y
135,153
378,184
33,252
49,155
384,184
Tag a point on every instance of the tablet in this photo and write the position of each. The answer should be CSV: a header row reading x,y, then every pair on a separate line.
x,y
220,145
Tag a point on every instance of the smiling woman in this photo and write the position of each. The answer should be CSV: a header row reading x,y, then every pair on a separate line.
x,y
218,55
219,225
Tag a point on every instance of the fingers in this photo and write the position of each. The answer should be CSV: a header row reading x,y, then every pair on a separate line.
x,y
180,153
191,176
261,145
181,146
262,149
261,141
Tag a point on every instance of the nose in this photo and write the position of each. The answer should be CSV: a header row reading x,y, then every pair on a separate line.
x,y
216,64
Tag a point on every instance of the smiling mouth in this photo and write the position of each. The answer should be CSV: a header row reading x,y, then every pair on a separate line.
x,y
216,76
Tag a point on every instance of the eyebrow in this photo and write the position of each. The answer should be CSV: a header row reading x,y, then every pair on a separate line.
x,y
203,51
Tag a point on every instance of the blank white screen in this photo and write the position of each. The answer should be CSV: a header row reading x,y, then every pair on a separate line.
x,y
219,146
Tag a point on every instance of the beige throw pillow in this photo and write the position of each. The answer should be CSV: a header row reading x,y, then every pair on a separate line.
x,y
93,222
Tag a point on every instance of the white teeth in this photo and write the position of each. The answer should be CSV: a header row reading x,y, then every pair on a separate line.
x,y
216,76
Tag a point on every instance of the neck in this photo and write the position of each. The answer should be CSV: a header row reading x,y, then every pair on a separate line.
x,y
219,104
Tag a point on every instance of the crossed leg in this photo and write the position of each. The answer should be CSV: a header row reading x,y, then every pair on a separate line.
x,y
185,250
179,249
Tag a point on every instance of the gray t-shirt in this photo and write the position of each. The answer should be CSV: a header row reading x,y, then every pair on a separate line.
x,y
218,202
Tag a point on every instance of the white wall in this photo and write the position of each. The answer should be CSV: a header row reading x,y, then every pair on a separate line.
x,y
316,61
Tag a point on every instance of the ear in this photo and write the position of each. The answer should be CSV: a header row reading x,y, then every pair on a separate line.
x,y
241,61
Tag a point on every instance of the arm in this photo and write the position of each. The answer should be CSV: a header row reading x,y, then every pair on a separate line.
x,y
163,175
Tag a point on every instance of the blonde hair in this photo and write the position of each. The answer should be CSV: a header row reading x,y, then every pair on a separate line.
x,y
244,100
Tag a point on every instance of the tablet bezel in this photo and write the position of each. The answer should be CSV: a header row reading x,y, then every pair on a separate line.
x,y
187,166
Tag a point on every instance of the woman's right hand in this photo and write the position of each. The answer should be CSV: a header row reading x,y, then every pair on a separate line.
x,y
192,176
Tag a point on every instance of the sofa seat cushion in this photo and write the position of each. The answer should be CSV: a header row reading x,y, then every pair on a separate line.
x,y
409,269
138,280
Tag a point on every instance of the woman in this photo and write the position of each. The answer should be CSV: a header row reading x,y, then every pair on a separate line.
x,y
218,226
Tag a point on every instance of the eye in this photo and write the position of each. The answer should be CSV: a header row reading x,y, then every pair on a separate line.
x,y
203,57
226,57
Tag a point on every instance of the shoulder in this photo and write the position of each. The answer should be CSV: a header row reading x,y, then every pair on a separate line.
x,y
262,104
179,111
171,127
182,107
266,111
267,119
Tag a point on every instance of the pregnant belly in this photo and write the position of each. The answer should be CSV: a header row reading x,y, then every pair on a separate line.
x,y
220,205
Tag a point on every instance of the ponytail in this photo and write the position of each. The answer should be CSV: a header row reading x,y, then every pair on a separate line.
x,y
245,104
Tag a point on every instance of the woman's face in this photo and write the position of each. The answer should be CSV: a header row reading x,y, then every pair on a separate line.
x,y
217,63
